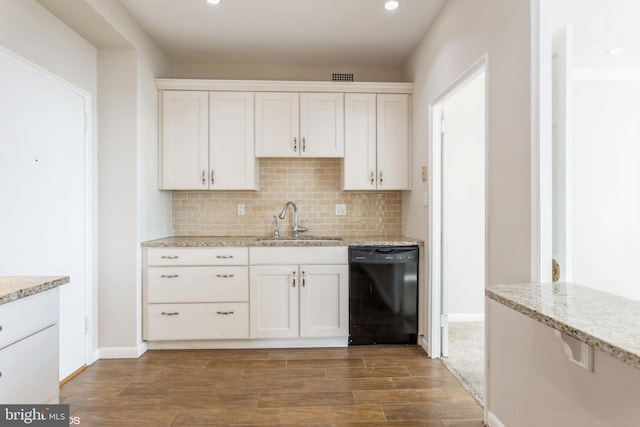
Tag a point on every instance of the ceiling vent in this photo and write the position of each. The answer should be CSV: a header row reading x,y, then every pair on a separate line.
x,y
342,77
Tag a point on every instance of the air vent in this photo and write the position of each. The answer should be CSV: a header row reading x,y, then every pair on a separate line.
x,y
342,77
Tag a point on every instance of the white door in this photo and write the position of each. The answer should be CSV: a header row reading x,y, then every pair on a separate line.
x,y
324,301
273,301
277,124
322,124
359,166
232,161
184,147
44,176
393,142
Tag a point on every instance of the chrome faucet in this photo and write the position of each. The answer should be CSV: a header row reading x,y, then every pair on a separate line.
x,y
296,229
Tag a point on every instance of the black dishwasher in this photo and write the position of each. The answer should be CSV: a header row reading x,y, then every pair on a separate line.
x,y
383,295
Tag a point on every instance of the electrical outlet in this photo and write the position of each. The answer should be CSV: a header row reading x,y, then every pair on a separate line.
x,y
240,210
341,209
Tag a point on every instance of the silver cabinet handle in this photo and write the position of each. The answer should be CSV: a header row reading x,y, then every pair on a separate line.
x,y
304,279
224,256
170,313
169,257
295,144
294,279
372,178
304,144
0,327
213,181
204,177
224,276
169,276
380,176
225,313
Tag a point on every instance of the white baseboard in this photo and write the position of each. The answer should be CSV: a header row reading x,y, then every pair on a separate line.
x,y
122,352
422,342
466,317
493,420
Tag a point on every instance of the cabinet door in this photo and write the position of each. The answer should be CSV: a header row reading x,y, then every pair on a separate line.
x,y
324,301
277,124
273,300
359,166
184,136
393,142
322,124
232,162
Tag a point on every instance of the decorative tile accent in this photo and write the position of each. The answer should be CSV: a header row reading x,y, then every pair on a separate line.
x,y
314,185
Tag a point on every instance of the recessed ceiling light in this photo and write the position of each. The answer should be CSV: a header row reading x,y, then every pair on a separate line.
x,y
391,4
614,51
214,1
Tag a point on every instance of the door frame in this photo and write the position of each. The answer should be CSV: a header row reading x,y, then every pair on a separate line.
x,y
437,329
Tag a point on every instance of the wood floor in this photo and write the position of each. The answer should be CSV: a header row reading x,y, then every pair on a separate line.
x,y
356,386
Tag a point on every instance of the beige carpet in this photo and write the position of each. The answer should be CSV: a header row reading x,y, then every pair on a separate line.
x,y
466,356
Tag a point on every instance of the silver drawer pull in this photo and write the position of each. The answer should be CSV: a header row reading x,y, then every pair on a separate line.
x,y
225,276
224,256
224,313
0,327
169,276
169,257
170,313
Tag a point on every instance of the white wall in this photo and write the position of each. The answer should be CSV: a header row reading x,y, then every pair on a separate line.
x,y
606,196
463,32
283,72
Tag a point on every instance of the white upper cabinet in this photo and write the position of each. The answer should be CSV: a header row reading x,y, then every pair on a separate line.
x,y
184,140
299,125
232,161
207,141
377,145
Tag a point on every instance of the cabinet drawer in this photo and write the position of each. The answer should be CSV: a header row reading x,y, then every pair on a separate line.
x,y
30,369
197,321
197,256
296,255
26,316
197,284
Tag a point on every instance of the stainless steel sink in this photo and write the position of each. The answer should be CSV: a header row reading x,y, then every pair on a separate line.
x,y
305,239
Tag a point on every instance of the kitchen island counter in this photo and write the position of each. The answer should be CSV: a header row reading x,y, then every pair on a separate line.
x,y
16,287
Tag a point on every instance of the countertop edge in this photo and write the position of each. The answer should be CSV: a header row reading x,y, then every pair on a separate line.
x,y
252,241
35,285
601,344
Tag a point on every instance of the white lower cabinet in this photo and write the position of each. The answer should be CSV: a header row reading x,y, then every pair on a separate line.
x,y
299,299
29,349
196,294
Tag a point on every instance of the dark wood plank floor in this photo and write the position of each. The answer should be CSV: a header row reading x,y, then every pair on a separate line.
x,y
356,386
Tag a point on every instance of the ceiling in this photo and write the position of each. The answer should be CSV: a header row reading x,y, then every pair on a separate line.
x,y
302,32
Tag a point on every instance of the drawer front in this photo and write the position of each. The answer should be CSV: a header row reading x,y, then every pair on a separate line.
x,y
197,284
30,369
296,255
171,322
198,256
26,316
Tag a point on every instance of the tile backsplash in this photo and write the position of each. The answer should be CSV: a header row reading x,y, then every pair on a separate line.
x,y
314,185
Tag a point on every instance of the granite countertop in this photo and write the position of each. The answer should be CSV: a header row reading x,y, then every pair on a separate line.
x,y
254,241
605,321
15,287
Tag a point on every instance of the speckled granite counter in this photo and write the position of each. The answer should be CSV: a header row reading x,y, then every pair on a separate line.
x,y
185,242
606,322
16,287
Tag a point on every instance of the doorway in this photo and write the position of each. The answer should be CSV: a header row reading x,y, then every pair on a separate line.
x,y
459,226
45,220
